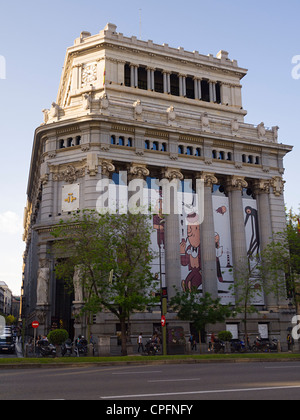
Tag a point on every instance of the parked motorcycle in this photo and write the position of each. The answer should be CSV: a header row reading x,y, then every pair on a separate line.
x,y
81,347
67,348
260,344
47,349
219,346
237,346
152,348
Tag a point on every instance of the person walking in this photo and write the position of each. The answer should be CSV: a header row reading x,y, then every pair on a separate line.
x,y
140,343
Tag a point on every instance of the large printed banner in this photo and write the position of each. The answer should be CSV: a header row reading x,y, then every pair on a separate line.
x,y
223,249
253,246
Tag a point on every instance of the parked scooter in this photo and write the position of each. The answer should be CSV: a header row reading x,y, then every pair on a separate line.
x,y
152,348
81,347
67,348
47,349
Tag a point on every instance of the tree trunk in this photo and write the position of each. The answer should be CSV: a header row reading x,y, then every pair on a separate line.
x,y
123,337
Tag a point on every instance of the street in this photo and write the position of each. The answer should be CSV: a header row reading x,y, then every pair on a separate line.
x,y
213,381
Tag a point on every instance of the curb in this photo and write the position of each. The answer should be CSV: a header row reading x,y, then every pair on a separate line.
x,y
144,362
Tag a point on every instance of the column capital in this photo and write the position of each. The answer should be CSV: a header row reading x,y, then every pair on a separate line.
x,y
261,186
172,173
138,171
107,167
278,185
209,178
234,183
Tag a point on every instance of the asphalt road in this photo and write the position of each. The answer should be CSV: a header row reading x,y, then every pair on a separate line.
x,y
217,381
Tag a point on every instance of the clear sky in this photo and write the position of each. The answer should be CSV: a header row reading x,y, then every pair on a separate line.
x,y
34,35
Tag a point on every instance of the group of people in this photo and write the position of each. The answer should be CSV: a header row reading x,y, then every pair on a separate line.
x,y
154,339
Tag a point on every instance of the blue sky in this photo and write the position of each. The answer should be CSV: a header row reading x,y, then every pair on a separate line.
x,y
34,35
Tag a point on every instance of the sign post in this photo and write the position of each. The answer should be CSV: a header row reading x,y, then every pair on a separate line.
x,y
35,325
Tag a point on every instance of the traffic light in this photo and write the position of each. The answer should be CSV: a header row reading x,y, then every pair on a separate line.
x,y
164,292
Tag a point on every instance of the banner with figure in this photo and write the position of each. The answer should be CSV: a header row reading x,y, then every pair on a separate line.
x,y
253,246
223,249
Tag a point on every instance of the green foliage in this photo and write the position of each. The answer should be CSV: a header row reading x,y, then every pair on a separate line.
x,y
101,244
57,337
200,310
225,336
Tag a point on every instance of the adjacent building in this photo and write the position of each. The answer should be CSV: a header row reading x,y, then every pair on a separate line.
x,y
155,112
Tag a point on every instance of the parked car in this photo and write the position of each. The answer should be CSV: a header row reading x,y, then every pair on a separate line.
x,y
7,343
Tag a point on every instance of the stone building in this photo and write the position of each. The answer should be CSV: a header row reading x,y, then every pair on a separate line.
x,y
153,111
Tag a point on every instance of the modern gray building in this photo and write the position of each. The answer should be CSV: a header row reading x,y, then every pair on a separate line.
x,y
155,112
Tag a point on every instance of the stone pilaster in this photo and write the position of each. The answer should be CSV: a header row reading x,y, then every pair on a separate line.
x,y
172,236
208,247
234,188
262,191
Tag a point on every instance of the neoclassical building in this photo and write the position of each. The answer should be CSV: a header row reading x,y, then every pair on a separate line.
x,y
153,111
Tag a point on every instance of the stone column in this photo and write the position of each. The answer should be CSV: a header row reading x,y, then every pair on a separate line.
x,y
196,90
167,82
234,188
262,191
208,247
43,295
172,235
80,320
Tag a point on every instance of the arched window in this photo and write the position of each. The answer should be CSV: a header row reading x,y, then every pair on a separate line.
x,y
78,140
221,155
129,143
121,141
61,144
155,145
112,139
147,144
244,158
164,147
198,152
189,151
257,161
214,154
229,156
250,159
180,150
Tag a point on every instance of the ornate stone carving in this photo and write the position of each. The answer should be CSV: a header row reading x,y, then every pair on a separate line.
x,y
261,186
171,114
43,282
78,287
107,167
278,185
209,179
236,183
138,171
204,122
70,174
171,173
261,131
137,109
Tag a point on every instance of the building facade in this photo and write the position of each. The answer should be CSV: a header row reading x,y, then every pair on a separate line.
x,y
126,106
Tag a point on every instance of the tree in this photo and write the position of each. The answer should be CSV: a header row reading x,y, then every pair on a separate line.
x,y
274,272
111,253
200,310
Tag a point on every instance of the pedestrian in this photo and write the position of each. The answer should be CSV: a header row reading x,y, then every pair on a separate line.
x,y
194,344
290,342
140,343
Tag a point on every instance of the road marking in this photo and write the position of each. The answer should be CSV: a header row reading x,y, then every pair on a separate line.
x,y
174,380
217,391
137,373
